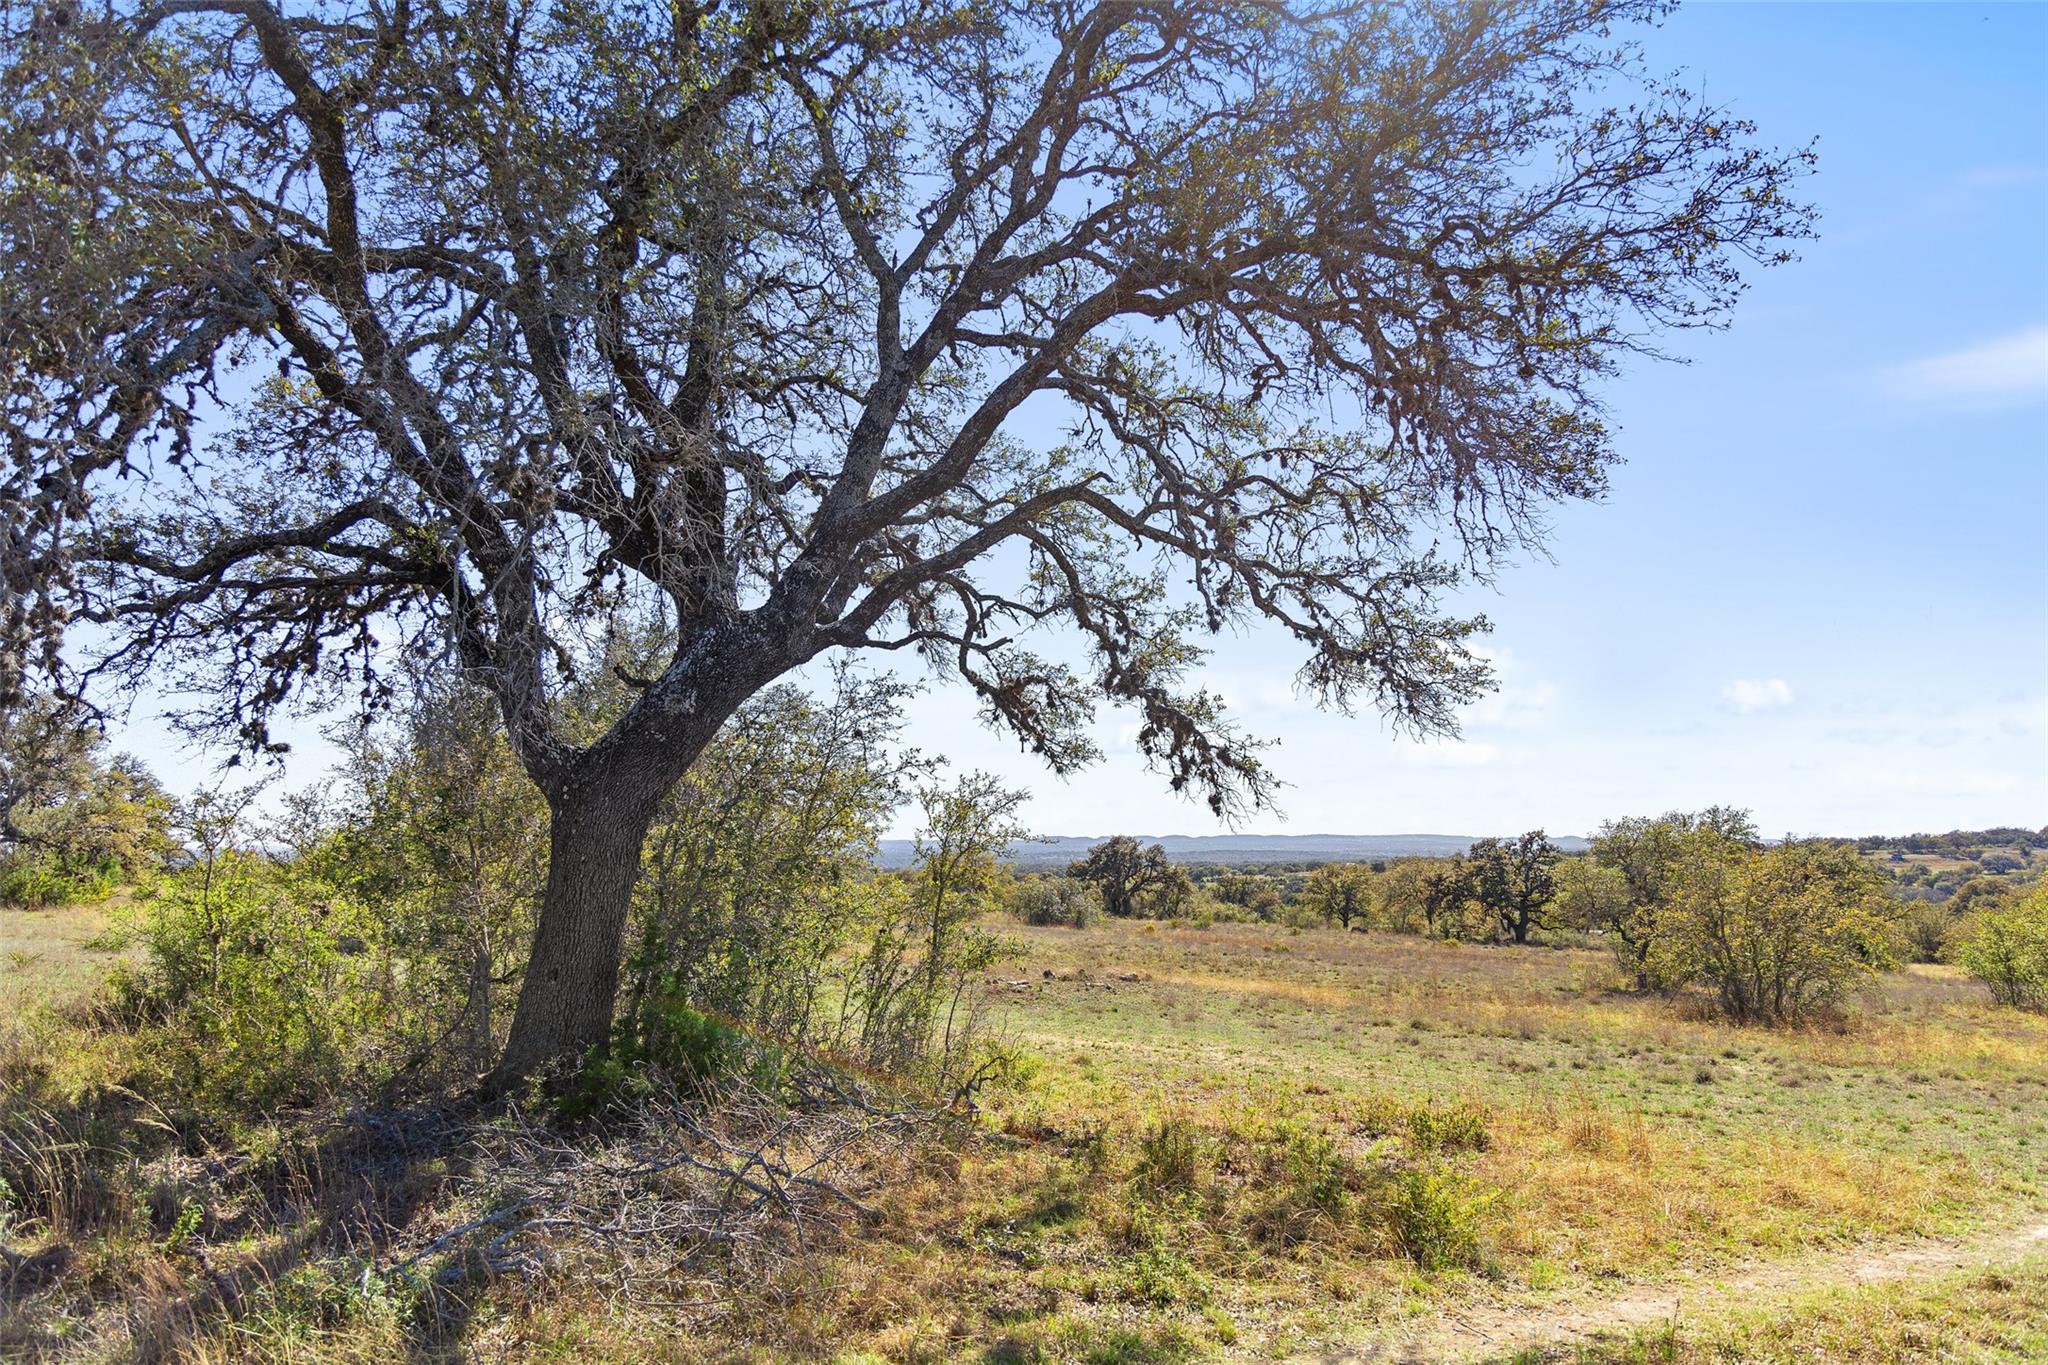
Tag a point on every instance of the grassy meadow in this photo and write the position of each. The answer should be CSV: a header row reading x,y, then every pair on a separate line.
x,y
1252,1142
1626,1139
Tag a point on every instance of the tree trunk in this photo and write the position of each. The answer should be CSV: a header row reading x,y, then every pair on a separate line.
x,y
572,980
599,814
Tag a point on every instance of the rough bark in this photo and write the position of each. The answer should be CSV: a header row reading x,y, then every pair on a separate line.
x,y
600,810
565,1006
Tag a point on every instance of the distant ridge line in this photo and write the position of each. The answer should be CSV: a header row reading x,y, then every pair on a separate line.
x,y
1236,849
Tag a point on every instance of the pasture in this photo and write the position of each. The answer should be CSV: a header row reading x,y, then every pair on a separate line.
x,y
1629,1144
1250,1142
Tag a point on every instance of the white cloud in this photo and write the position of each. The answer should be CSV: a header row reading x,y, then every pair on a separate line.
x,y
1757,694
1517,702
2004,369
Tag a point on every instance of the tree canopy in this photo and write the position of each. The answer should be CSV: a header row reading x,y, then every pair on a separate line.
x,y
461,330
1515,881
1126,872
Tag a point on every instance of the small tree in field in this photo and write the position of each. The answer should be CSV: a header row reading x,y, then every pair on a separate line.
x,y
1777,932
1515,880
892,325
1649,856
1127,874
1340,891
2006,947
1433,895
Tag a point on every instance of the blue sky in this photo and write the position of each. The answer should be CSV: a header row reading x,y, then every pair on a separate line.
x,y
1819,586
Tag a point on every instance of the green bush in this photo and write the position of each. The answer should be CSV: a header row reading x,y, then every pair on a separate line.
x,y
35,883
1435,1218
1319,1177
1459,1128
1170,1156
1057,902
2006,948
257,988
1778,932
669,1043
1926,928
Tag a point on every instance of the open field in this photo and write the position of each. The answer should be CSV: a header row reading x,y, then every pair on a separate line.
x,y
1607,1177
1628,1144
48,957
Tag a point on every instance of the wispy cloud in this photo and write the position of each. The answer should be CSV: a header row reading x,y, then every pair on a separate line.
x,y
1757,694
2002,370
1517,702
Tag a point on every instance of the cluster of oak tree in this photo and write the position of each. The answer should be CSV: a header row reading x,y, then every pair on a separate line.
x,y
1774,930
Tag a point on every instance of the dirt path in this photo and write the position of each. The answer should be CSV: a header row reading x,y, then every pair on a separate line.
x,y
1494,1331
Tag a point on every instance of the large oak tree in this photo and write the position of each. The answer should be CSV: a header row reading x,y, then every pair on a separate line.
x,y
336,329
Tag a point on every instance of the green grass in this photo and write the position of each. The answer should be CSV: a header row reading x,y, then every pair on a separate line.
x,y
1630,1136
1248,1141
48,957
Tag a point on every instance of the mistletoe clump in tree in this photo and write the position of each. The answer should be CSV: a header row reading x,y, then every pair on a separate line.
x,y
468,327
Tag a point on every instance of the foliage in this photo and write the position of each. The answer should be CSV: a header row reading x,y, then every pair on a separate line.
x,y
918,952
363,945
1777,932
757,868
761,909
1436,1217
436,827
1432,896
1132,880
74,822
1057,901
1450,1128
1926,928
2006,947
1514,880
1650,856
1590,895
1172,1156
1957,842
258,986
1340,891
1255,893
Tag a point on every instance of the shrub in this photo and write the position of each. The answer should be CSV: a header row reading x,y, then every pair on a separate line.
x,y
1169,1157
1318,1177
1778,932
1057,902
38,883
1926,930
255,989
1460,1128
755,876
1435,1217
2006,948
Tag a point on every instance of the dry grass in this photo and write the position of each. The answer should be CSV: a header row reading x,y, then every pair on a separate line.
x,y
1246,1141
1985,1317
48,957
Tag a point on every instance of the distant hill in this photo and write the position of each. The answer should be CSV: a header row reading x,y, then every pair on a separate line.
x,y
1240,850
